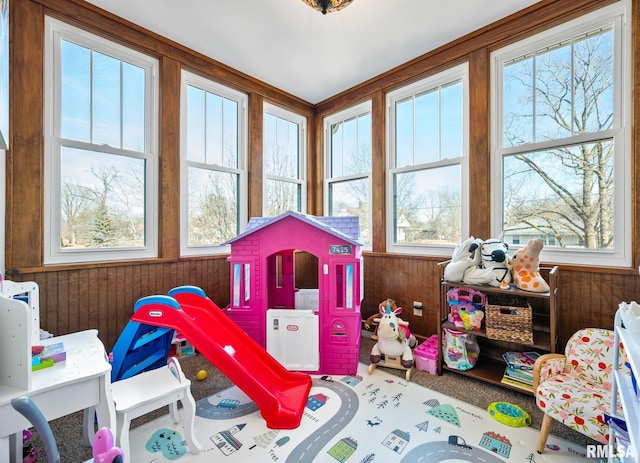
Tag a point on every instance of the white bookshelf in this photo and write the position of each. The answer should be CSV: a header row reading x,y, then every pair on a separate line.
x,y
623,389
15,346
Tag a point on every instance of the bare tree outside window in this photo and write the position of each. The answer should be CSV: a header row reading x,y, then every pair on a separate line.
x,y
429,136
213,174
561,100
349,171
283,182
101,201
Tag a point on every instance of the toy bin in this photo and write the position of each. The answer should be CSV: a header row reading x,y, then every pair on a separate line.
x,y
426,355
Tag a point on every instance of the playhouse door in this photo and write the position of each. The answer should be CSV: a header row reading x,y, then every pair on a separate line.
x,y
293,338
281,280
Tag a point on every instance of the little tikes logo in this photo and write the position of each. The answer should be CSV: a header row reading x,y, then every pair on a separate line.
x,y
292,328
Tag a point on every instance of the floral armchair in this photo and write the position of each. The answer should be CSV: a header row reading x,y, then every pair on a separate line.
x,y
575,387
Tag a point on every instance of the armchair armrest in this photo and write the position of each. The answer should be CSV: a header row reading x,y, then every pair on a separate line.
x,y
547,365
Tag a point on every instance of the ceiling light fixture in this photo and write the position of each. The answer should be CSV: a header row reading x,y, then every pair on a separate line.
x,y
327,6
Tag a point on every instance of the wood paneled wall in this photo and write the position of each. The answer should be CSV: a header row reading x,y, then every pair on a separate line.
x,y
586,299
101,296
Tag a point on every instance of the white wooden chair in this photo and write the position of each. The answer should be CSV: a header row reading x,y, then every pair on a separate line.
x,y
148,391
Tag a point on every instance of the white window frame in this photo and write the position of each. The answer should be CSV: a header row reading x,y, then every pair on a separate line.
x,y
55,30
329,121
295,118
188,78
459,72
619,14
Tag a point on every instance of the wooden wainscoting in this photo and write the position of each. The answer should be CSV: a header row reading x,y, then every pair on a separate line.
x,y
103,297
404,279
589,297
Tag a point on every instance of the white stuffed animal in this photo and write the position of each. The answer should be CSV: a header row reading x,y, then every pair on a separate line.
x,y
394,338
464,257
494,256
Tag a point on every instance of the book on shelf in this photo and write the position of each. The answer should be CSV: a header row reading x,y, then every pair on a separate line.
x,y
54,352
518,384
523,376
520,360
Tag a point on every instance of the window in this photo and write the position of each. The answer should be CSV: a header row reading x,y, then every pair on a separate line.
x,y
348,166
284,161
101,103
213,173
241,285
427,158
561,152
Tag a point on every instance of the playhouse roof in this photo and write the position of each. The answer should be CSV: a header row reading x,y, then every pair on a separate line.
x,y
346,227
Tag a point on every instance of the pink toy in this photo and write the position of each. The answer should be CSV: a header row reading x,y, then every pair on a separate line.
x,y
263,277
104,449
467,307
280,394
426,355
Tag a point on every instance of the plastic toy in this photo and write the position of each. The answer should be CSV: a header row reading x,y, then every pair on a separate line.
x,y
103,448
201,375
509,414
263,264
280,394
467,307
426,355
29,452
393,348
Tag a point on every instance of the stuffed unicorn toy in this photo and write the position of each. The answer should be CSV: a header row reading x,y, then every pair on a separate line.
x,y
394,338
494,256
526,268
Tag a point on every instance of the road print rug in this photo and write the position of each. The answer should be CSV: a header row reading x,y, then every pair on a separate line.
x,y
365,418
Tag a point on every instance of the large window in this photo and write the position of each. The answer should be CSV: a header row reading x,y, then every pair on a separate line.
x,y
100,149
213,168
427,158
561,147
284,161
348,166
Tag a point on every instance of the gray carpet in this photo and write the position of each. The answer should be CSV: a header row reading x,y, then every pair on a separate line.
x,y
68,430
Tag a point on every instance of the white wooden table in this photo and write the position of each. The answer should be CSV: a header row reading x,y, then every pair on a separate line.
x,y
81,382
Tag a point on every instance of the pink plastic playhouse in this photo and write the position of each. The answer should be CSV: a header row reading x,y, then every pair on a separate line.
x,y
316,330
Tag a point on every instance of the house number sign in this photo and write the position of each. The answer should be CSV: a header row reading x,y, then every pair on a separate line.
x,y
340,249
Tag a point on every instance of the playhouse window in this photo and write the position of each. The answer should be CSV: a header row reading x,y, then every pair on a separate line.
x,y
344,286
241,284
279,271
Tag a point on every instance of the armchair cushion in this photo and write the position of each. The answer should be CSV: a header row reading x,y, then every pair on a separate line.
x,y
576,389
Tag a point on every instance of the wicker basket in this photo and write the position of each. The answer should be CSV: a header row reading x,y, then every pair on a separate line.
x,y
509,318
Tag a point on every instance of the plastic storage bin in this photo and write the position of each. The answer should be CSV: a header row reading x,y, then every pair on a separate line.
x,y
426,355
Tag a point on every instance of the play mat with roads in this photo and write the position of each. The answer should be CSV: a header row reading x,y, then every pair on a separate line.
x,y
359,419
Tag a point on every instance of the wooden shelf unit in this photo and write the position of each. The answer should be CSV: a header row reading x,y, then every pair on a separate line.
x,y
490,365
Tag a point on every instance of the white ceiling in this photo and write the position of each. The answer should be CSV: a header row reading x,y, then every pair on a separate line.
x,y
289,45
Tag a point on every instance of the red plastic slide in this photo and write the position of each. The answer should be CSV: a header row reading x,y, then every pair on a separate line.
x,y
280,394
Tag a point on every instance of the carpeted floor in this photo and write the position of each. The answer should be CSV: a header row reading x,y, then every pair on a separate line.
x,y
68,430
